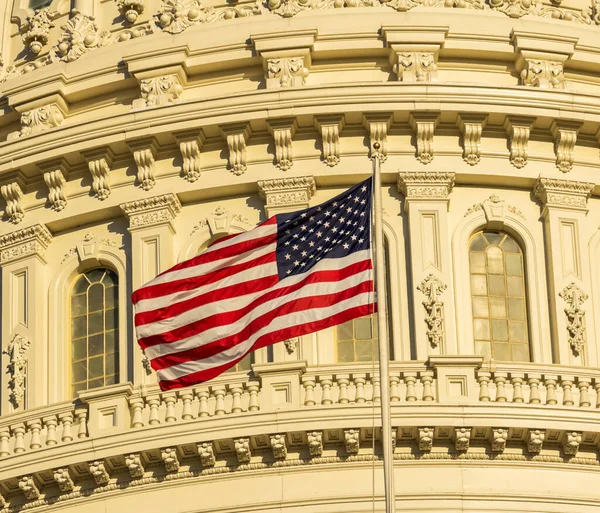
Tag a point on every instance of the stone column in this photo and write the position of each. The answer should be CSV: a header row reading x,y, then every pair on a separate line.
x,y
283,195
564,208
24,318
152,252
427,195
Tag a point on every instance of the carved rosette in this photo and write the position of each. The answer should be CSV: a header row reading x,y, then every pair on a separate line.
x,y
286,72
518,130
424,123
432,288
33,240
131,9
37,29
416,67
17,368
425,185
330,128
237,135
13,195
554,192
575,297
160,91
565,137
152,211
471,128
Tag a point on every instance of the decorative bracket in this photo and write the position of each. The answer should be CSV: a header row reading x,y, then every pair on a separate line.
x,y
99,163
134,464
499,439
535,440
462,439
17,367
575,297
13,195
426,439
56,173
190,145
237,135
99,472
352,441
242,450
315,443
170,459
64,479
145,152
424,124
279,446
207,454
565,137
433,288
471,127
378,125
29,488
330,128
283,131
518,130
571,443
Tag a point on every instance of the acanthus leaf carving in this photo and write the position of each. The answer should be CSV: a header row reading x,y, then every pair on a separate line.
x,y
416,67
471,127
283,131
565,137
291,344
575,297
425,185
99,472
237,135
134,464
424,124
518,130
207,454
64,479
13,195
432,288
190,146
555,192
543,73
33,240
159,91
152,211
170,459
315,443
330,128
284,72
17,367
29,487
80,35
290,192
279,446
378,126
40,119
37,29
131,9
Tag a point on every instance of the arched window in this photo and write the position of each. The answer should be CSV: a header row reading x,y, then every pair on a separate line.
x,y
356,340
94,330
498,297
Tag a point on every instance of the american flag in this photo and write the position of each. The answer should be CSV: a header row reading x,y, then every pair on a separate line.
x,y
292,275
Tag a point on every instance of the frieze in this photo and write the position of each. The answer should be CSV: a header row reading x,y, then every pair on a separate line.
x,y
151,211
425,184
556,192
33,240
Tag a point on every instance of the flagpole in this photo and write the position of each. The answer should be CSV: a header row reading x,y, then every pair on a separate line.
x,y
384,357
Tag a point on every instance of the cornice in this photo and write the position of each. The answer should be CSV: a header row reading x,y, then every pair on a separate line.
x,y
31,241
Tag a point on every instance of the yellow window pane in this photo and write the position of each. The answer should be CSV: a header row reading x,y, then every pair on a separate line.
x,y
516,309
477,262
362,328
498,307
501,351
95,383
481,329
520,352
79,371
510,246
496,283
480,307
110,380
515,286
78,305
517,331
513,265
364,351
344,331
478,243
345,351
478,285
499,330
495,260
493,238
483,349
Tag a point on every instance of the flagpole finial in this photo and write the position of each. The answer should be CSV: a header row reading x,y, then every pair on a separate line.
x,y
375,154
376,146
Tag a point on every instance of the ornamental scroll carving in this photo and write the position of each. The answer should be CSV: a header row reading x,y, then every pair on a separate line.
x,y
575,297
37,29
17,368
433,288
286,72
159,91
543,73
416,67
13,195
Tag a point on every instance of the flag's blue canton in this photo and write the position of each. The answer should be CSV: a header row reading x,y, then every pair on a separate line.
x,y
333,229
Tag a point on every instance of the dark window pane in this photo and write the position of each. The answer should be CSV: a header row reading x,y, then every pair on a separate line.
x,y
79,371
78,305
111,297
95,275
112,319
95,298
96,323
96,345
111,363
510,246
96,367
110,341
478,243
96,383
79,349
110,278
81,285
493,238
79,327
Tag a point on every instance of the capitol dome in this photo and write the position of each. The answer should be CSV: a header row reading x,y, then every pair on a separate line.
x,y
134,133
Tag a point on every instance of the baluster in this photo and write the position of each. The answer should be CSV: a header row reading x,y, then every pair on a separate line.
x,y
550,390
597,388
584,394
219,393
186,399
376,389
253,390
19,433
236,393
203,399
153,403
343,382
4,438
500,380
567,386
484,390
137,419
82,431
169,398
427,380
309,391
394,389
66,419
50,423
326,382
34,427
517,383
359,383
411,394
534,389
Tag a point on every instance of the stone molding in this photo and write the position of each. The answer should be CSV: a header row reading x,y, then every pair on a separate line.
x,y
425,185
424,124
292,193
31,241
154,211
559,193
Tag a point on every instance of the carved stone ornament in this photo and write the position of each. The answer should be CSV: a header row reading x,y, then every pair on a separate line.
x,y
89,248
286,72
494,209
283,131
131,9
146,364
425,185
190,144
499,439
378,126
207,454
575,297
571,443
99,472
237,135
279,446
425,439
55,181
7,71
145,152
134,464
159,91
80,35
352,440
424,123
518,130
242,450
554,192
17,368
29,488
151,211
170,459
416,67
535,440
471,128
13,195
315,443
289,192
462,439
544,74
36,29
64,479
432,288
40,119
99,164
30,241
565,137
291,344
330,128
520,8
